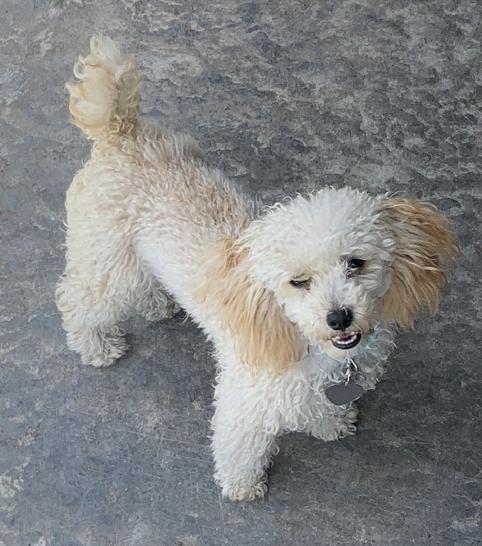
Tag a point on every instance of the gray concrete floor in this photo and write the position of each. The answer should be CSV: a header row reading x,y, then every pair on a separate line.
x,y
286,96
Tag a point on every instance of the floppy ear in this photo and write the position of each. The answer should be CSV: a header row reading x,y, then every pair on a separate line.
x,y
265,338
423,238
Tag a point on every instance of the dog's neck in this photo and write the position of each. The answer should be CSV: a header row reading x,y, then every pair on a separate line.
x,y
370,359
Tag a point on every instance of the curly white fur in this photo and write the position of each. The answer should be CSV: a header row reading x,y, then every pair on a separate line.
x,y
150,226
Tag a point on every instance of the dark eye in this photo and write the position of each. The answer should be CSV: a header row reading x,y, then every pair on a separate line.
x,y
300,283
355,263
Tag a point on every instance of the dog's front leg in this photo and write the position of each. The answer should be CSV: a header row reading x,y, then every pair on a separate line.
x,y
241,444
337,422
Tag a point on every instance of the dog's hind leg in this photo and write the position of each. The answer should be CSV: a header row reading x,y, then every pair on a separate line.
x,y
154,303
99,289
91,322
99,346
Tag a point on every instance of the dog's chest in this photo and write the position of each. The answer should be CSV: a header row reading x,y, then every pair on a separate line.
x,y
301,396
302,399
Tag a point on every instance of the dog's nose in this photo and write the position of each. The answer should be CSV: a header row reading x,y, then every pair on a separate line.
x,y
339,319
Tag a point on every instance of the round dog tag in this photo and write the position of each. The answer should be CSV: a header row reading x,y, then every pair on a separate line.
x,y
342,393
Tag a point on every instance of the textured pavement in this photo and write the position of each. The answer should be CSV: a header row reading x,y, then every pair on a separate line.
x,y
286,96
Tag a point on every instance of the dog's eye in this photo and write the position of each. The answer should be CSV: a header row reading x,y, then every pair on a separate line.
x,y
354,263
300,283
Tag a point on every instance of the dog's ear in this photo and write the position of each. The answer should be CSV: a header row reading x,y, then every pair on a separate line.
x,y
265,338
423,239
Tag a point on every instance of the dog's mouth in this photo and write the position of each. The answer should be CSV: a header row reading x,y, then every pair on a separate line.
x,y
346,341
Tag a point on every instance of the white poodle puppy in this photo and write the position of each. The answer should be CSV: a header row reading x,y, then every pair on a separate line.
x,y
300,299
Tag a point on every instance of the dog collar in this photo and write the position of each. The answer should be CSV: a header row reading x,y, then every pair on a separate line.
x,y
348,390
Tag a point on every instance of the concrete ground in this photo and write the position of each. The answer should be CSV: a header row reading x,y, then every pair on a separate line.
x,y
286,96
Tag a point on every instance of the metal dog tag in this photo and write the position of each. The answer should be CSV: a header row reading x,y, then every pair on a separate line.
x,y
343,393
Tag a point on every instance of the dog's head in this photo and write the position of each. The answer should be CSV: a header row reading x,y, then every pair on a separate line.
x,y
327,269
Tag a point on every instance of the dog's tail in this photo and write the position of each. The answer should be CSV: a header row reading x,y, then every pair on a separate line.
x,y
104,101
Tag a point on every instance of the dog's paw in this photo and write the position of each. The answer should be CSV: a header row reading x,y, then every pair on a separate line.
x,y
336,427
112,349
99,361
156,314
345,424
157,306
244,489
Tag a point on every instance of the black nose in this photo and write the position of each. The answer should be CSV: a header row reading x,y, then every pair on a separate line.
x,y
339,319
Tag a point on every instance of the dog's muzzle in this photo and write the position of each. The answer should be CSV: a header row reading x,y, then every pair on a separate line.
x,y
346,341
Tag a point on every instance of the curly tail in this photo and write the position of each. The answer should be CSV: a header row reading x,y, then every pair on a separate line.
x,y
104,101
